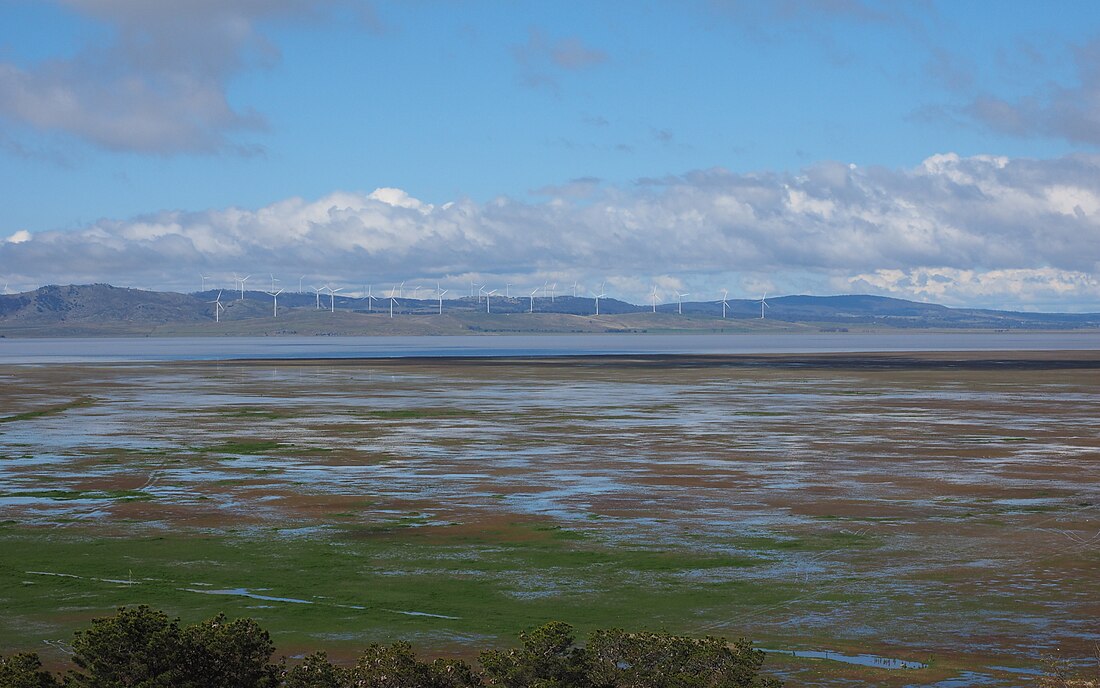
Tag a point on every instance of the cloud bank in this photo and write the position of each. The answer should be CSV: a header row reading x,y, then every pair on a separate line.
x,y
983,231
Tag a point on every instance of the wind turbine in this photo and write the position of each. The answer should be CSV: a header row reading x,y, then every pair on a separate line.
x,y
275,308
481,292
369,298
508,290
653,298
242,280
763,304
318,291
680,302
533,292
440,293
218,307
332,297
725,304
574,289
553,288
401,290
392,299
487,295
300,283
598,297
201,276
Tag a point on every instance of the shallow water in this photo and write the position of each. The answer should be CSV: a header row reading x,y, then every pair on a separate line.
x,y
860,659
941,508
136,349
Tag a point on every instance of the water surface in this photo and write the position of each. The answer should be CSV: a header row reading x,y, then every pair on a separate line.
x,y
137,349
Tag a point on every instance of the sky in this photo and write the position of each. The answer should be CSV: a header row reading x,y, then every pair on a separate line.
x,y
935,151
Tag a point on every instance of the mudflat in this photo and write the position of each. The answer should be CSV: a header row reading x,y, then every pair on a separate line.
x,y
942,508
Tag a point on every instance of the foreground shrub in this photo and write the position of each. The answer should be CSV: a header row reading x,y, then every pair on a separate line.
x,y
24,670
396,666
315,671
547,659
617,659
140,647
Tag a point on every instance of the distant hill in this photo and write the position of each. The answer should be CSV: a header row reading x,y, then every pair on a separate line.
x,y
101,309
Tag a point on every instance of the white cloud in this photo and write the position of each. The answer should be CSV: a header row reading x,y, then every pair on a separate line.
x,y
19,237
982,230
1026,287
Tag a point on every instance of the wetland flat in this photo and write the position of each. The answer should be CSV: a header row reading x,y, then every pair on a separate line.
x,y
941,509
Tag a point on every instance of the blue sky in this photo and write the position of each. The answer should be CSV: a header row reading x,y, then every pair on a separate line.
x,y
819,146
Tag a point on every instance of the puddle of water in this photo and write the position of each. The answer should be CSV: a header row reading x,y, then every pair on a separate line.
x,y
963,680
434,616
244,592
70,575
861,659
1019,670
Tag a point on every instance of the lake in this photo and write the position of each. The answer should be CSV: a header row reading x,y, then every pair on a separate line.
x,y
137,349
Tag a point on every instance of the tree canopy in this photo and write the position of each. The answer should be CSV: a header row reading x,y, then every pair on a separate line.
x,y
141,647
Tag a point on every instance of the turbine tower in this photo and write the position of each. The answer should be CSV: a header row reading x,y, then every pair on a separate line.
x,y
332,297
369,298
392,299
653,298
598,297
487,295
440,293
242,280
680,302
218,307
725,304
763,304
317,291
201,276
533,292
275,308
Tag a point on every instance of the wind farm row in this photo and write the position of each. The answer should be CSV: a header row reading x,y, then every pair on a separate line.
x,y
399,295
327,309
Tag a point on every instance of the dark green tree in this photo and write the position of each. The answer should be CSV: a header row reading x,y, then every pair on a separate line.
x,y
315,671
618,659
138,646
396,666
549,658
453,673
24,670
219,653
389,666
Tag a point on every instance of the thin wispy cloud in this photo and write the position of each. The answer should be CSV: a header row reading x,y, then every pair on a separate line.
x,y
541,59
159,84
1070,112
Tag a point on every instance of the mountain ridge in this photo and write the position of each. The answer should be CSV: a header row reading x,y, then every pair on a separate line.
x,y
105,310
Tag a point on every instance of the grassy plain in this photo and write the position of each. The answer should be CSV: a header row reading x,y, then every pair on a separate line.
x,y
940,508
